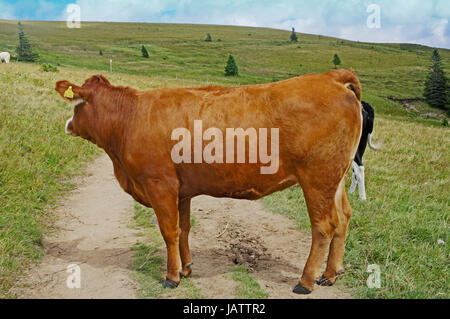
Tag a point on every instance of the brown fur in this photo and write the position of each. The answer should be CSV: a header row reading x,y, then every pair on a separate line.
x,y
319,121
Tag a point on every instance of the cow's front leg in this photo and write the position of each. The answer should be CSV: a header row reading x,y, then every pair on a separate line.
x,y
184,207
164,199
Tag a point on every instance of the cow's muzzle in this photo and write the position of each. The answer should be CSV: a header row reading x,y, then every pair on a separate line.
x,y
67,128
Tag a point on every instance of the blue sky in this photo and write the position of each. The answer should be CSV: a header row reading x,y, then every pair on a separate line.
x,y
414,21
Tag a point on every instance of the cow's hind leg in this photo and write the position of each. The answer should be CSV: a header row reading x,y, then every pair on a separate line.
x,y
354,179
361,185
335,262
323,216
184,207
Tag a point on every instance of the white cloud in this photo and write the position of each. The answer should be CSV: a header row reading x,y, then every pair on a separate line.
x,y
364,34
6,11
125,10
438,30
424,22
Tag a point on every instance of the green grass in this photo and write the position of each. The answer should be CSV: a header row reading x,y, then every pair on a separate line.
x,y
247,287
407,212
149,266
36,163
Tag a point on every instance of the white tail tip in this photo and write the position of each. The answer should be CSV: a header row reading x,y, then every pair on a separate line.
x,y
372,146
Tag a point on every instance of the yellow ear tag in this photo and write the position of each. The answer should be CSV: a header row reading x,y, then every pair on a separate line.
x,y
69,93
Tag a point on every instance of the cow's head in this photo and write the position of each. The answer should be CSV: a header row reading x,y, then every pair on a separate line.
x,y
86,111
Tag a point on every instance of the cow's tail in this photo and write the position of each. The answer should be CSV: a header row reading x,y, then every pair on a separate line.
x,y
349,79
372,146
351,82
370,130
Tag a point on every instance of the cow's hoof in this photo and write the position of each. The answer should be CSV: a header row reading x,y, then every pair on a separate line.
x,y
186,271
322,281
169,284
301,290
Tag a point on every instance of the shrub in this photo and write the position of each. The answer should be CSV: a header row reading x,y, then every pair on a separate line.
x,y
47,67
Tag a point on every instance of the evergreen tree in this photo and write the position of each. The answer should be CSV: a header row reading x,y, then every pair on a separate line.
x,y
208,37
144,52
231,69
293,36
24,50
436,91
336,61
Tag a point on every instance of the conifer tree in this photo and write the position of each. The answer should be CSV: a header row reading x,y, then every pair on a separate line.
x,y
293,36
231,69
24,50
436,91
336,61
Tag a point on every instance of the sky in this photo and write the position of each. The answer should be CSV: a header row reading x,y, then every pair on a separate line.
x,y
405,21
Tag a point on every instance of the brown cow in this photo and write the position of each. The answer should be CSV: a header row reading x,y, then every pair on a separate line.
x,y
318,117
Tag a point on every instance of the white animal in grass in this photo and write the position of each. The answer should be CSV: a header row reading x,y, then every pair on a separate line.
x,y
4,56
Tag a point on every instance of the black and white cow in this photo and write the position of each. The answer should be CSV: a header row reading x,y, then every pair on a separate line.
x,y
366,138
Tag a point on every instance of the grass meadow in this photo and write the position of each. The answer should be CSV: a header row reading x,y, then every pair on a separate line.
x,y
407,181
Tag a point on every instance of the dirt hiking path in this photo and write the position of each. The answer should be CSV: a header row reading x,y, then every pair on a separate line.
x,y
93,231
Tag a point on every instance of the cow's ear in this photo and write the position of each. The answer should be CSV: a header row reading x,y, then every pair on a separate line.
x,y
71,92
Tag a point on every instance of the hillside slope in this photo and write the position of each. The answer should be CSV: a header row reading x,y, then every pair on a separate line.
x,y
263,55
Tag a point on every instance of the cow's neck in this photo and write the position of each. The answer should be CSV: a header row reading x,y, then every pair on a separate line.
x,y
110,136
112,124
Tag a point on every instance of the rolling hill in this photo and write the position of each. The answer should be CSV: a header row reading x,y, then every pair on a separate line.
x,y
263,55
